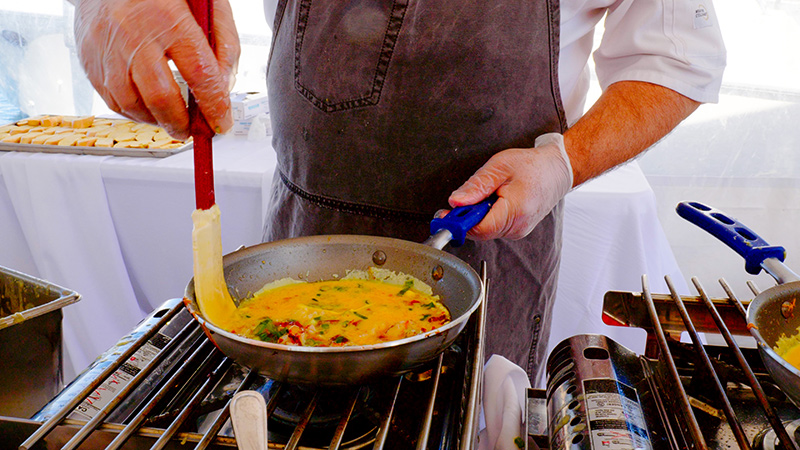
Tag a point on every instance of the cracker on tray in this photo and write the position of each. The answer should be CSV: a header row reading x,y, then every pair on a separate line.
x,y
87,131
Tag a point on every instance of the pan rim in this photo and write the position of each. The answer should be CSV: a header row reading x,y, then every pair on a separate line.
x,y
754,306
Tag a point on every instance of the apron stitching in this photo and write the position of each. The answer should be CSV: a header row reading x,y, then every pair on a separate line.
x,y
391,35
279,12
390,38
537,325
554,11
302,22
354,208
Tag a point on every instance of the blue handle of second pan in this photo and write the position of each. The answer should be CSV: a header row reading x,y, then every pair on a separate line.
x,y
744,241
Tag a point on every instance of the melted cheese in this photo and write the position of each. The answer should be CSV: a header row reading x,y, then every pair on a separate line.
x,y
337,313
210,290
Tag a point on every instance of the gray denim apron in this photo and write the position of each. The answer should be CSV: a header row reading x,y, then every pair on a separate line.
x,y
382,108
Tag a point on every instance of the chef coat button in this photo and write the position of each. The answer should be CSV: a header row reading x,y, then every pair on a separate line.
x,y
485,114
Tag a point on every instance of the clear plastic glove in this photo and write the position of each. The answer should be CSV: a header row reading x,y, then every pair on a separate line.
x,y
125,46
529,182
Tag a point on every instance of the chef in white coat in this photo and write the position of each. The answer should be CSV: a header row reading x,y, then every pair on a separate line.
x,y
385,112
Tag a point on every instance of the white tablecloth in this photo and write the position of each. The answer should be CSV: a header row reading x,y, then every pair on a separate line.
x,y
612,237
118,231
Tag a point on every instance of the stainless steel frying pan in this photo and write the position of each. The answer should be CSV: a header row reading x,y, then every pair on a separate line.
x,y
327,257
772,312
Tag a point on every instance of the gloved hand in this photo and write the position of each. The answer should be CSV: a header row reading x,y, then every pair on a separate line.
x,y
124,46
529,182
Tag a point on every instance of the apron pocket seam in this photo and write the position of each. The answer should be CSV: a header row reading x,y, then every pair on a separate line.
x,y
354,208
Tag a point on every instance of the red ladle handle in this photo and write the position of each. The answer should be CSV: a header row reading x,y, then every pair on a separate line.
x,y
203,12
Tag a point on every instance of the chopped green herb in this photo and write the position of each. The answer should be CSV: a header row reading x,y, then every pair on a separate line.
x,y
425,317
429,305
340,339
312,343
360,315
406,286
267,331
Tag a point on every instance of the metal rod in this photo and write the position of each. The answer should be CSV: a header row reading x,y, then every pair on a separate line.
x,y
208,385
53,421
203,350
424,434
754,290
787,443
733,421
338,434
272,403
383,431
779,271
468,435
672,371
670,432
294,441
224,414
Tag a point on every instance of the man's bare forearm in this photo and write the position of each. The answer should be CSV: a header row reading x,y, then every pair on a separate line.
x,y
628,118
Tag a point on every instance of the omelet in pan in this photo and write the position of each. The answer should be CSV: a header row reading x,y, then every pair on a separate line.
x,y
338,313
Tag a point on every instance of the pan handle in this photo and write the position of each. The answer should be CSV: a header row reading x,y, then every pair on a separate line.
x,y
462,219
744,241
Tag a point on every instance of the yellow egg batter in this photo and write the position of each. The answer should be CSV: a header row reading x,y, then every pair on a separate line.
x,y
337,313
210,290
788,348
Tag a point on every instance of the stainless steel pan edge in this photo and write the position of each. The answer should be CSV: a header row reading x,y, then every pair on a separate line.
x,y
768,325
325,257
766,317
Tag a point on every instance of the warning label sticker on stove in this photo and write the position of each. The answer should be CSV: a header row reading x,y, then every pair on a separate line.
x,y
121,378
615,415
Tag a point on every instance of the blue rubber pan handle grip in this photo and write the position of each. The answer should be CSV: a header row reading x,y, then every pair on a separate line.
x,y
462,219
733,233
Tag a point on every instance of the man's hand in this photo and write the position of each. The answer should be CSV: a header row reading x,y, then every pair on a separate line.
x,y
529,182
125,46
628,118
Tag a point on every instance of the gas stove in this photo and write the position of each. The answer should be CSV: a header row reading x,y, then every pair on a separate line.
x,y
681,394
166,386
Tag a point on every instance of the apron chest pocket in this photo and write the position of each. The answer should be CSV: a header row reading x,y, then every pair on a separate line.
x,y
347,46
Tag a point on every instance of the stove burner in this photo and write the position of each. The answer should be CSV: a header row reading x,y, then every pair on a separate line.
x,y
767,440
291,402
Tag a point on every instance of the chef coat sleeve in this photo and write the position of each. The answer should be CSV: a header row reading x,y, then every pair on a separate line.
x,y
673,43
270,7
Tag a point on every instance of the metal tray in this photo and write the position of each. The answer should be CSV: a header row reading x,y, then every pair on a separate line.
x,y
31,372
102,151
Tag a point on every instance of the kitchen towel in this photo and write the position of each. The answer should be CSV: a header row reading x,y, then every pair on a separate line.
x,y
504,393
64,215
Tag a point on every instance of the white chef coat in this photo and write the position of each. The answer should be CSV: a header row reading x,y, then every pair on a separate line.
x,y
673,43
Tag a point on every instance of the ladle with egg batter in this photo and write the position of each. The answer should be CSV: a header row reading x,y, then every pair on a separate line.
x,y
213,297
772,314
